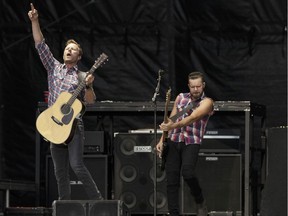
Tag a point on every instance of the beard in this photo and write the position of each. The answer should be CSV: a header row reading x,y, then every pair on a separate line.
x,y
196,95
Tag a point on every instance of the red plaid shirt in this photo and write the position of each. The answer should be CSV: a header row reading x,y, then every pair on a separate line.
x,y
191,134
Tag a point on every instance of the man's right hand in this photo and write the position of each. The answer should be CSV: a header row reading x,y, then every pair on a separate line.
x,y
33,16
33,13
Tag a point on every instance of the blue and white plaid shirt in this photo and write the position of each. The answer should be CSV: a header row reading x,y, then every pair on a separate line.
x,y
60,78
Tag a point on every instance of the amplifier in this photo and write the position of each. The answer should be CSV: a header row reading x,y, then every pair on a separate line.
x,y
98,167
220,176
221,141
94,142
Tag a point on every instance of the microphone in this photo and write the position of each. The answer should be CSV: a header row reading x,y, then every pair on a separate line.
x,y
161,72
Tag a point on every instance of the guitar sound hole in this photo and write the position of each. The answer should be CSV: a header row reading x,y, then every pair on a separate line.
x,y
65,109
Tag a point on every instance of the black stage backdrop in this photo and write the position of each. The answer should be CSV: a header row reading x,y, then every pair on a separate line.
x,y
239,45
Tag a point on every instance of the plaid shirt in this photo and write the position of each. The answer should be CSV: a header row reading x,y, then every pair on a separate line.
x,y
60,78
191,134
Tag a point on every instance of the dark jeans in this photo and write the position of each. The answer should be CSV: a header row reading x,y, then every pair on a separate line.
x,y
72,153
181,158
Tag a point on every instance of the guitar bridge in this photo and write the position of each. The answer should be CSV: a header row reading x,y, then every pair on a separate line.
x,y
56,121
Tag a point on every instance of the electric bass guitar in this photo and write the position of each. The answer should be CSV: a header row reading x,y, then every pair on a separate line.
x,y
165,133
58,122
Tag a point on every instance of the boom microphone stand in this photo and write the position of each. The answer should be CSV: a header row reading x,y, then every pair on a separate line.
x,y
160,73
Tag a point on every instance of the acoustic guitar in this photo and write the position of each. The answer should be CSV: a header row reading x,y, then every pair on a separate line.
x,y
58,122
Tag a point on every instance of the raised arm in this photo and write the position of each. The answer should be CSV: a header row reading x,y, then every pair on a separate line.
x,y
36,30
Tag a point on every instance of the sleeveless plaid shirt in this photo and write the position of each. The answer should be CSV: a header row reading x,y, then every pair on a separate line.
x,y
191,134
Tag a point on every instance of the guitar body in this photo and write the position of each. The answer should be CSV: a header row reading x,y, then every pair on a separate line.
x,y
57,123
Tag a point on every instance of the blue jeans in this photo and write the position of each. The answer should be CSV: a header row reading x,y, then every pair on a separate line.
x,y
181,158
72,153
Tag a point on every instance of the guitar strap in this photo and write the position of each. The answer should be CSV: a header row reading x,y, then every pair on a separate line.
x,y
81,76
192,105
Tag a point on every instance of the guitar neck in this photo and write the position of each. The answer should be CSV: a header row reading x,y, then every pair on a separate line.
x,y
103,57
168,95
165,133
76,92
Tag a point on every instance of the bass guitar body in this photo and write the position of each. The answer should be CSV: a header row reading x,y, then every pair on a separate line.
x,y
57,123
164,154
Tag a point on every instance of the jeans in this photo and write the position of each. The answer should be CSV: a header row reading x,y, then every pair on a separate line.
x,y
72,153
183,158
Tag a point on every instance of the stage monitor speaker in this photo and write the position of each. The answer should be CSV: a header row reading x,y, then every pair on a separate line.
x,y
89,208
98,167
28,211
220,177
227,213
274,194
134,173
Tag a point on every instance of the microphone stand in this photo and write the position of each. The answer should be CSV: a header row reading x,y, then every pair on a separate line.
x,y
155,138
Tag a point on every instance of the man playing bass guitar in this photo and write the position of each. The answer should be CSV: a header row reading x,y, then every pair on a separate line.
x,y
186,132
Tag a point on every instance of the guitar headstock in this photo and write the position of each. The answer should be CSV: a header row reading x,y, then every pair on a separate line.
x,y
99,61
168,95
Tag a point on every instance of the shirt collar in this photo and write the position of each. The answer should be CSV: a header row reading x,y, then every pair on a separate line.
x,y
71,70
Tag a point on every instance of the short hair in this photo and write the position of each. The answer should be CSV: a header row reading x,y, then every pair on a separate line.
x,y
74,42
196,75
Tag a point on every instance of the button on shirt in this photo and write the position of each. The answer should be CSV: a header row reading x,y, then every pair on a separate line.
x,y
60,78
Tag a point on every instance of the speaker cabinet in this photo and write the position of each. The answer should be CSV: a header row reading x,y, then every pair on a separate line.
x,y
89,208
134,173
274,196
96,164
220,177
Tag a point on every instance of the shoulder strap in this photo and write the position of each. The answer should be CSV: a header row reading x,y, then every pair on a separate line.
x,y
81,76
177,115
192,105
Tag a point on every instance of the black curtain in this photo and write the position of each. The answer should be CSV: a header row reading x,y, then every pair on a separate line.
x,y
239,45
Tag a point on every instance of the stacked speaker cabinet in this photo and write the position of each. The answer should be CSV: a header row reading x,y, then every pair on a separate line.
x,y
275,192
220,176
134,173
96,164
